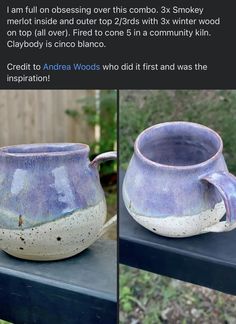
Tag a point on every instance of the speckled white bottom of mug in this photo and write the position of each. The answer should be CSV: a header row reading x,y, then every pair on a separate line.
x,y
58,239
182,226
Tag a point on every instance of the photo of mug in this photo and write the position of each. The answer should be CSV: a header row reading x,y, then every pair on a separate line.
x,y
177,183
52,205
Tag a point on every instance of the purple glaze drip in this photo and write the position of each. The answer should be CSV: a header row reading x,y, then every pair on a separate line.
x,y
43,182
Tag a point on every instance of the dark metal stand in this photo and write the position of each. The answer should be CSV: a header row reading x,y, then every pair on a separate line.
x,y
81,289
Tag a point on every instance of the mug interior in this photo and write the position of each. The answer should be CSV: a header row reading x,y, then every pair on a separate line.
x,y
55,148
178,144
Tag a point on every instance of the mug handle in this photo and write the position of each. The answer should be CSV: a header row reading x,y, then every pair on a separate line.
x,y
103,157
225,182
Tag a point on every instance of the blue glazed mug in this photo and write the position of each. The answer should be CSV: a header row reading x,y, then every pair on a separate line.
x,y
52,205
177,183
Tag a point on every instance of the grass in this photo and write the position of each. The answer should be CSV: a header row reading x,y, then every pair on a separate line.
x,y
145,297
111,199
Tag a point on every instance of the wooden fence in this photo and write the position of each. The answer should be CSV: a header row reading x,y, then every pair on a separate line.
x,y
38,116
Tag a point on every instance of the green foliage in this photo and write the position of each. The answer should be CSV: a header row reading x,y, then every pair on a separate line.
x,y
168,294
106,120
126,299
149,298
215,109
72,113
108,106
132,294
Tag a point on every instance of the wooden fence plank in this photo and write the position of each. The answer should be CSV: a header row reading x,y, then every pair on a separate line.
x,y
3,119
36,116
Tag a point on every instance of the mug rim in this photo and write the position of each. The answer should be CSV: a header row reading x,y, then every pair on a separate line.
x,y
178,167
6,150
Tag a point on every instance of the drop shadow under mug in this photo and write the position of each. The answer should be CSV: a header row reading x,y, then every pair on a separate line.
x,y
177,183
52,205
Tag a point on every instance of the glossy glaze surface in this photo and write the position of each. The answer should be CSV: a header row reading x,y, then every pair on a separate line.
x,y
42,183
168,179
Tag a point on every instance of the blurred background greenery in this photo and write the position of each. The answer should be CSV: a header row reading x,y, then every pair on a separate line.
x,y
149,298
99,111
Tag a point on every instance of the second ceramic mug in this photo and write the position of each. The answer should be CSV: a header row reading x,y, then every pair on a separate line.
x,y
177,183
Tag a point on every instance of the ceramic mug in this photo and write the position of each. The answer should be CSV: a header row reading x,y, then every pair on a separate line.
x,y
177,183
52,205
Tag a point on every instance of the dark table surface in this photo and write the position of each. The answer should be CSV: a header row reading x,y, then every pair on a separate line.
x,y
207,260
81,289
